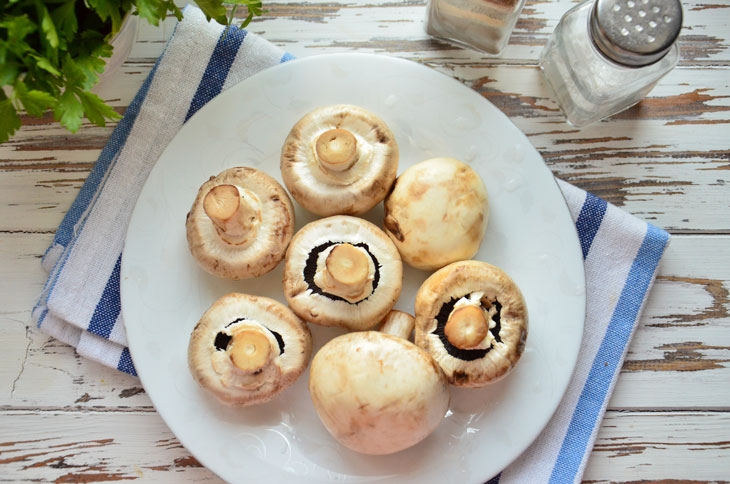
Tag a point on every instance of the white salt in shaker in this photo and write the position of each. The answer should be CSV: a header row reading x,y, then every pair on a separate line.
x,y
606,55
483,25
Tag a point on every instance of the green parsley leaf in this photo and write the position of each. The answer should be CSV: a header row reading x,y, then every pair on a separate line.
x,y
49,28
69,111
35,102
8,72
148,10
108,9
46,65
9,119
96,110
213,10
65,18
17,27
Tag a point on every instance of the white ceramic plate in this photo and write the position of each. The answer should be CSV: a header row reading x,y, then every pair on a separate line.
x,y
530,235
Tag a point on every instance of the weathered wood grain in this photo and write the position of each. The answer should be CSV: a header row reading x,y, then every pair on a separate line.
x,y
637,447
681,348
93,446
66,419
650,162
387,26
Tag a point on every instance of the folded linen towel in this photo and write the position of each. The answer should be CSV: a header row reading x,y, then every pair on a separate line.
x,y
80,304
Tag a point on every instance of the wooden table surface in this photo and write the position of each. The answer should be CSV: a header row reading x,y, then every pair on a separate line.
x,y
667,160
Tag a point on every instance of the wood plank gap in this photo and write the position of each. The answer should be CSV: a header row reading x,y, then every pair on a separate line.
x,y
25,410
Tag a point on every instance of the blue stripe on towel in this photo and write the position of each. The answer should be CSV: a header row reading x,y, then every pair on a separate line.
x,y
109,306
108,156
217,70
589,220
125,363
286,57
66,230
574,447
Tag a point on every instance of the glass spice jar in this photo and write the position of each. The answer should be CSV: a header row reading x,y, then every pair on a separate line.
x,y
483,25
606,55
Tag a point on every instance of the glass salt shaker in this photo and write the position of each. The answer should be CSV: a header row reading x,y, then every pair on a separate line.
x,y
606,55
483,25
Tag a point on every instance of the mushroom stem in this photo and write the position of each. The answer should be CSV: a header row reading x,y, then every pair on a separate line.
x,y
466,327
235,212
346,271
398,324
336,149
249,350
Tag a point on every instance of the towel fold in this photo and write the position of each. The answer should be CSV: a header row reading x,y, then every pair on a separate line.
x,y
80,303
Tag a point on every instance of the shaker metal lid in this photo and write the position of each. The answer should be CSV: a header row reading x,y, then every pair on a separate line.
x,y
635,32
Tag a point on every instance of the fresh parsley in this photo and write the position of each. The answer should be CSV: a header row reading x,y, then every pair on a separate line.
x,y
52,52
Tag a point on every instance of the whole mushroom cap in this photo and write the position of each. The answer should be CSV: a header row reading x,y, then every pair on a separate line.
x,y
342,271
472,319
437,213
377,393
253,240
339,159
246,349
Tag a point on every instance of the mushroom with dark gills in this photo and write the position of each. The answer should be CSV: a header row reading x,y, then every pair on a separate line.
x,y
240,224
471,317
378,393
246,349
339,159
437,213
342,271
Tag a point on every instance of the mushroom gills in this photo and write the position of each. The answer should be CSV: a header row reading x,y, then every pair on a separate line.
x,y
465,354
310,270
222,340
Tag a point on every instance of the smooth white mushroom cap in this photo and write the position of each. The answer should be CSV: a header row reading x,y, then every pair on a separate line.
x,y
350,186
437,213
210,349
305,286
274,227
455,286
377,393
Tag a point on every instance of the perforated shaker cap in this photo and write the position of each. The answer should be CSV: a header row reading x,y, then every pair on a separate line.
x,y
635,32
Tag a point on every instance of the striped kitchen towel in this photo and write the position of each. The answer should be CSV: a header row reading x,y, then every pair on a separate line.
x,y
80,303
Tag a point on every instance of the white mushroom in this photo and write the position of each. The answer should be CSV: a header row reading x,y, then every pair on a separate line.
x,y
246,349
342,271
377,393
437,213
240,224
339,159
472,319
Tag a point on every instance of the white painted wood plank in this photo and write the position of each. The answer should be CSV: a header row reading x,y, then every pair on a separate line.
x,y
661,448
95,446
657,166
323,26
680,354
681,349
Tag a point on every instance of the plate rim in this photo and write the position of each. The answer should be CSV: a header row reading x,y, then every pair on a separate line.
x,y
125,280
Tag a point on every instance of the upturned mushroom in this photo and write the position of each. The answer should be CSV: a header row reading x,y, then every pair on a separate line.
x,y
472,319
378,393
240,224
342,271
246,349
339,159
437,213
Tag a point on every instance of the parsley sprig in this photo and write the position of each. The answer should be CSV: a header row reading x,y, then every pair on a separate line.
x,y
52,52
